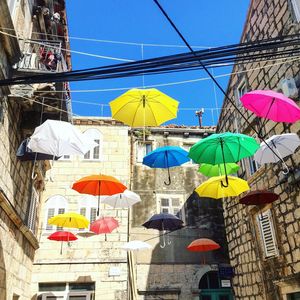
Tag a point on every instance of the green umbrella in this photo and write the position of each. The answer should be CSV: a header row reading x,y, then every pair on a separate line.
x,y
222,148
217,170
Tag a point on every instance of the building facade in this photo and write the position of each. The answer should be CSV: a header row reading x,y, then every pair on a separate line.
x,y
263,241
169,270
92,267
22,182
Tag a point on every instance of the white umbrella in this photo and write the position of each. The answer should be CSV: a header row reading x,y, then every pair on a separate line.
x,y
283,145
59,138
122,200
136,245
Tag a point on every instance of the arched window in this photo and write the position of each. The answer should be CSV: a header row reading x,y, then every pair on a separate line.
x,y
87,206
55,205
96,135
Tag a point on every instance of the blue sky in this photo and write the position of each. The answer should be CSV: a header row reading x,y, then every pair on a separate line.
x,y
203,23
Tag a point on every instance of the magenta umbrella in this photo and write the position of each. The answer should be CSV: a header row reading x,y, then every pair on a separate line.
x,y
271,105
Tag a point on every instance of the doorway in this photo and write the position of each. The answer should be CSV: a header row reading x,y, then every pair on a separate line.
x,y
212,289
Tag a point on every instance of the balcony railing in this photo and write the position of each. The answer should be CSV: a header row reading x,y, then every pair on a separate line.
x,y
42,57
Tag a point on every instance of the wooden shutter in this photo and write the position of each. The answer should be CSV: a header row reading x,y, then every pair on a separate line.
x,y
93,214
267,233
31,220
50,214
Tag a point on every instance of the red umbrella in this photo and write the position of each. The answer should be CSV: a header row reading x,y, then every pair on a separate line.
x,y
63,236
259,197
203,245
104,225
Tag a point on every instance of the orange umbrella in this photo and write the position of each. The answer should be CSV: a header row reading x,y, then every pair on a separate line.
x,y
97,185
203,245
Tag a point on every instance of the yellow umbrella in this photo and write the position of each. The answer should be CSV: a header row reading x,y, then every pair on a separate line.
x,y
70,220
212,188
144,107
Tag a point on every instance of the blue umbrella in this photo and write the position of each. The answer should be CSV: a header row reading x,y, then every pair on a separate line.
x,y
164,221
166,157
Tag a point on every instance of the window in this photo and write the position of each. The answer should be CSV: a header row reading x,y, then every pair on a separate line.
x,y
65,157
142,150
11,6
88,207
240,91
267,233
253,165
172,204
296,9
31,218
55,205
94,154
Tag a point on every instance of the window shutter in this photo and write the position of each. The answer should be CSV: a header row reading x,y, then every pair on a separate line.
x,y
51,212
60,211
31,220
93,214
96,151
267,233
296,8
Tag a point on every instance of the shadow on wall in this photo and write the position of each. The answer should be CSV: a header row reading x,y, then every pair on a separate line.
x,y
2,273
204,219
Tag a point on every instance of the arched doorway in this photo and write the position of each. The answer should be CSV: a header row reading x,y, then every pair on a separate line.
x,y
212,288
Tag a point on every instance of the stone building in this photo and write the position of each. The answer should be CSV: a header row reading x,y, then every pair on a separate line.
x,y
19,114
92,267
169,270
263,241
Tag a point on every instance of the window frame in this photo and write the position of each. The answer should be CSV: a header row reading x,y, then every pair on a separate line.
x,y
187,147
98,138
142,151
57,206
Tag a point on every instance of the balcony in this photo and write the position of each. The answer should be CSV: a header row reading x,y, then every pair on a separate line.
x,y
41,57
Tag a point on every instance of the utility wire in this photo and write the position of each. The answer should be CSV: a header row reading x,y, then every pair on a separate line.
x,y
215,81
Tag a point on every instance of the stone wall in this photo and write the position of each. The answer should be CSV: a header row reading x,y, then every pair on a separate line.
x,y
170,272
258,276
87,259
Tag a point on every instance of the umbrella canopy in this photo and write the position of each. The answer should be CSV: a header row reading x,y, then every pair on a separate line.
x,y
164,221
283,144
70,220
203,245
271,105
144,107
64,236
97,185
59,138
259,197
122,200
136,245
104,225
166,157
222,148
24,153
217,170
213,189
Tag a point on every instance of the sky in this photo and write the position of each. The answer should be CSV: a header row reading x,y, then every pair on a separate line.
x,y
140,22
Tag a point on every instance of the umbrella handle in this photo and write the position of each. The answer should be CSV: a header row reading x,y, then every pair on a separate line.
x,y
168,240
163,245
227,183
286,169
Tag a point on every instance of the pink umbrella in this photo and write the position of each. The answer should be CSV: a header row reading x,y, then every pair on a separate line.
x,y
271,105
104,225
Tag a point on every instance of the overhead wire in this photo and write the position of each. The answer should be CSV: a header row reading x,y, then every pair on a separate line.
x,y
214,80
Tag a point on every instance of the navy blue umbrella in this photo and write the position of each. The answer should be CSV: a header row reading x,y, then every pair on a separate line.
x,y
26,154
164,222
166,157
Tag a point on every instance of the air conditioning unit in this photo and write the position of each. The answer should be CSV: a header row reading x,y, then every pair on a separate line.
x,y
289,87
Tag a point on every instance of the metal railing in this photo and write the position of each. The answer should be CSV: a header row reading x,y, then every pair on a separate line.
x,y
42,57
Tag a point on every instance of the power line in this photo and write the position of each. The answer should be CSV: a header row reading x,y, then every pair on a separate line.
x,y
215,81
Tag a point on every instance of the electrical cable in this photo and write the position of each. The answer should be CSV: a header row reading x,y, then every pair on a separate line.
x,y
214,80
